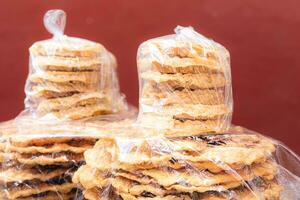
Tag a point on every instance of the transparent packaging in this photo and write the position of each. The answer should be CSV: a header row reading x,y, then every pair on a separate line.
x,y
71,78
72,95
38,159
185,83
141,163
78,138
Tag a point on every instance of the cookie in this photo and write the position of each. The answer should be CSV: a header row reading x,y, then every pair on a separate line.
x,y
45,159
149,196
163,187
87,175
80,112
65,77
54,90
76,100
174,180
20,175
67,47
66,64
185,81
181,53
55,148
220,151
155,95
120,184
15,193
186,112
269,191
53,196
97,193
54,137
181,126
193,177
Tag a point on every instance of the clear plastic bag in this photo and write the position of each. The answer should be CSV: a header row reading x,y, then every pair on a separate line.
x,y
141,163
185,83
72,95
38,159
71,78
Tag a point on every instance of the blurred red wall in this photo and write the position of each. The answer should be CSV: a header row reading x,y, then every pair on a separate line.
x,y
263,38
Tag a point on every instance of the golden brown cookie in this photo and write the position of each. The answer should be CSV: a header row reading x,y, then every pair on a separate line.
x,y
15,193
54,137
67,64
54,148
185,81
186,180
45,159
193,177
83,111
53,196
214,152
155,95
67,47
56,90
20,175
74,101
184,125
186,112
65,77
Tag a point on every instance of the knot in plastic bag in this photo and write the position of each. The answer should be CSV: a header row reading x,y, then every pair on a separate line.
x,y
189,34
55,22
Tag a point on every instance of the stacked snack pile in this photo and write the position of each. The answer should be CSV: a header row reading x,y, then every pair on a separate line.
x,y
71,78
182,147
224,166
40,166
185,84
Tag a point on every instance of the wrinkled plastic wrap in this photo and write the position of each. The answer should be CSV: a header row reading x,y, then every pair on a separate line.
x,y
185,83
70,78
140,163
72,94
78,139
38,161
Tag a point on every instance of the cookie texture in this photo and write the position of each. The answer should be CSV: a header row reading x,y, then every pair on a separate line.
x,y
64,70
211,166
178,71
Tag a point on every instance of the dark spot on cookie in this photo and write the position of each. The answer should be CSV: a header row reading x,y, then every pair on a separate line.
x,y
148,194
173,161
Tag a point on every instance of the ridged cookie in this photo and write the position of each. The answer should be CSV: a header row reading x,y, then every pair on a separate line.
x,y
187,81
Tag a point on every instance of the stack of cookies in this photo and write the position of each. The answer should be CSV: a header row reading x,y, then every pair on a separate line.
x,y
71,78
185,84
181,147
208,167
39,163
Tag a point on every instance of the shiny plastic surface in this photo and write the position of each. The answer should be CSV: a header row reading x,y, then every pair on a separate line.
x,y
185,83
71,78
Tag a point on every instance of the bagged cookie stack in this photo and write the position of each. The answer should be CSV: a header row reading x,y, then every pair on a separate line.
x,y
39,162
185,84
72,92
235,165
183,145
71,78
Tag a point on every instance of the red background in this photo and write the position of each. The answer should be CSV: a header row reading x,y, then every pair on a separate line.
x,y
262,36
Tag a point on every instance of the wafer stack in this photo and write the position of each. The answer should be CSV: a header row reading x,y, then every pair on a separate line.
x,y
185,84
40,167
71,78
224,166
